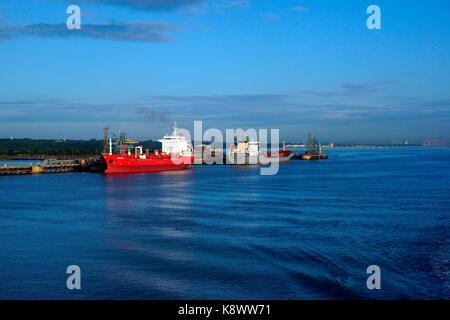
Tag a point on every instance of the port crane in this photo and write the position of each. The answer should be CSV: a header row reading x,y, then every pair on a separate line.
x,y
313,147
120,142
313,150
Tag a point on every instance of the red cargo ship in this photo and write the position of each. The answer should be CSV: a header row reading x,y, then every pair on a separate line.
x,y
176,155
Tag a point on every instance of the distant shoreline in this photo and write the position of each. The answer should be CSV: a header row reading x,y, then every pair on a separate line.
x,y
366,146
44,149
48,156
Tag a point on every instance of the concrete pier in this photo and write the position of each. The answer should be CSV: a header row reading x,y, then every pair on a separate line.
x,y
55,166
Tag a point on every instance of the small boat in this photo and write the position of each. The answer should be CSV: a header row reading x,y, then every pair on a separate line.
x,y
314,150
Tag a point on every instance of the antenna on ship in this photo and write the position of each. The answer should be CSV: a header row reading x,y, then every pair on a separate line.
x,y
106,140
175,130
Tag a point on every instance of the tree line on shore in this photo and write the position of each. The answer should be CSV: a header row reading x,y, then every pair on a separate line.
x,y
13,147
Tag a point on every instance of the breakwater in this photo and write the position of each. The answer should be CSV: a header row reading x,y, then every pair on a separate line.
x,y
93,164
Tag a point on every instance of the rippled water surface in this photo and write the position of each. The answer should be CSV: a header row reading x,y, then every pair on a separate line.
x,y
216,232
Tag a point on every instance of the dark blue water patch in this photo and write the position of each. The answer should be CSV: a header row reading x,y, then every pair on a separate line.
x,y
221,232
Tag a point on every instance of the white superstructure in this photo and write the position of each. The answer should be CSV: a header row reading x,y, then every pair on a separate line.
x,y
253,148
245,152
248,148
176,143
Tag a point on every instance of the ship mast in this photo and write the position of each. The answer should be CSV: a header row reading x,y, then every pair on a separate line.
x,y
106,140
175,129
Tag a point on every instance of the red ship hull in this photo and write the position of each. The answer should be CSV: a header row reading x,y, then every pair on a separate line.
x,y
263,158
282,156
131,164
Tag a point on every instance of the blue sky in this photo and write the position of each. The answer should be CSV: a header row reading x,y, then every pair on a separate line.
x,y
300,66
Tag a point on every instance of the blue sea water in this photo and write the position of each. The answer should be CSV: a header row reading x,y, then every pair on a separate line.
x,y
221,232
